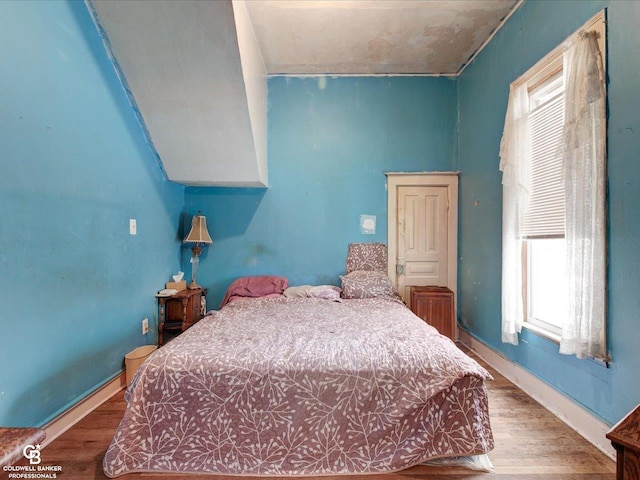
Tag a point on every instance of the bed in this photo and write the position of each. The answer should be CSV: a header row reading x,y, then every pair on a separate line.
x,y
309,383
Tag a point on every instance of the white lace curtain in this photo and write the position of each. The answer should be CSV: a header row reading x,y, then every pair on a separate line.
x,y
584,173
584,179
513,164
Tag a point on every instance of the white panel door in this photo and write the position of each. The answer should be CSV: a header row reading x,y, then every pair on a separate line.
x,y
422,236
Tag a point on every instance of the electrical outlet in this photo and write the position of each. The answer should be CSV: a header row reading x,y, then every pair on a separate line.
x,y
145,326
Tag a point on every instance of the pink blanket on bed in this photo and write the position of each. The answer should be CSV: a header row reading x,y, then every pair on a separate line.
x,y
253,287
304,386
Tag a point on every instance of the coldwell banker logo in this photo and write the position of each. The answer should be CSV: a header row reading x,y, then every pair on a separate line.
x,y
34,469
32,453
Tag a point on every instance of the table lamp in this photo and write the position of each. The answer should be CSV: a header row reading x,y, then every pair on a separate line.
x,y
198,236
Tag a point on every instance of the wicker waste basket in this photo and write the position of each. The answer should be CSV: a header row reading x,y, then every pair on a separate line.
x,y
135,358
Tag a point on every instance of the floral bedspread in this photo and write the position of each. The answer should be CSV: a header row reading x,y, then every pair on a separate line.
x,y
304,386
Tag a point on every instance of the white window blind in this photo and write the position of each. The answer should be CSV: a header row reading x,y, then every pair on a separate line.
x,y
544,214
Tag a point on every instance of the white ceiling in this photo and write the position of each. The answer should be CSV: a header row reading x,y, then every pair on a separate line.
x,y
368,37
195,75
196,71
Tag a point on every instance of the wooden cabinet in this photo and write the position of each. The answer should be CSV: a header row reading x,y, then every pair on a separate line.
x,y
178,312
625,438
435,306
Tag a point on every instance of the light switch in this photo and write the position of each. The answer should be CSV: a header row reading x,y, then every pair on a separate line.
x,y
133,229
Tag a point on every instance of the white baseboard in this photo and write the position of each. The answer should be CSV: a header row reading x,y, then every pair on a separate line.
x,y
84,407
575,416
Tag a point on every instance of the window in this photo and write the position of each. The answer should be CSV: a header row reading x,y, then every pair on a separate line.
x,y
547,306
543,222
552,156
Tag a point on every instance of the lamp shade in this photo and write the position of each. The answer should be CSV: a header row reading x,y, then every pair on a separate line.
x,y
198,233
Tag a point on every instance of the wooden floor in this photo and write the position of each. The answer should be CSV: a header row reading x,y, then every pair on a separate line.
x,y
531,443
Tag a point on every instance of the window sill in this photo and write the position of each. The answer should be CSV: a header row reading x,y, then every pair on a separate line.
x,y
542,332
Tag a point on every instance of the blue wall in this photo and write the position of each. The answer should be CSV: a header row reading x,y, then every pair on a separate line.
x,y
75,166
534,30
330,141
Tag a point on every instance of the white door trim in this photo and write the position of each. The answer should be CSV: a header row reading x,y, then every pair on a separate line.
x,y
427,179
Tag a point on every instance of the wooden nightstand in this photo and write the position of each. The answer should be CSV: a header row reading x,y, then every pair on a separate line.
x,y
179,311
435,306
625,438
